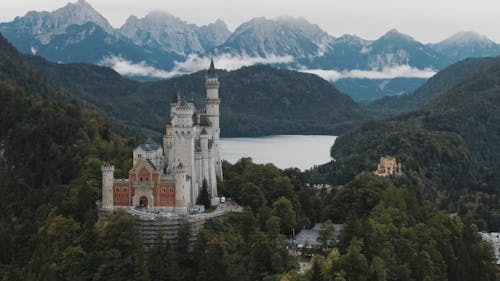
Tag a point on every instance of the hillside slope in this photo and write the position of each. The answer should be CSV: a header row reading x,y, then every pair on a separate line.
x,y
450,148
436,85
16,71
256,100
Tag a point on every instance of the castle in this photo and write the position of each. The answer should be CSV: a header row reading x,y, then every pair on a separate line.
x,y
169,178
388,166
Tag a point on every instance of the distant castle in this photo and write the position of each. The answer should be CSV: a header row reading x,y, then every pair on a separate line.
x,y
388,166
169,178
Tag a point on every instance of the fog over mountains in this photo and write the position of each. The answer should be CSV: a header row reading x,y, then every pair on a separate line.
x,y
161,45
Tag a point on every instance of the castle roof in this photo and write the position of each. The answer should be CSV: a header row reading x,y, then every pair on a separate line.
x,y
204,121
150,145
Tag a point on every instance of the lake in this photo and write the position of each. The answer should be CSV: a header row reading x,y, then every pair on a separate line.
x,y
284,151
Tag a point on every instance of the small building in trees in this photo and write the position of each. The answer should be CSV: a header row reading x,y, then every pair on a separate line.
x,y
388,166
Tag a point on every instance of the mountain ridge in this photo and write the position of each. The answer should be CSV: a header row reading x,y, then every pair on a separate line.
x,y
257,100
169,41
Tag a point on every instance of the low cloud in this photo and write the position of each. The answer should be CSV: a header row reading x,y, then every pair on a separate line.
x,y
401,71
192,64
195,63
226,61
129,68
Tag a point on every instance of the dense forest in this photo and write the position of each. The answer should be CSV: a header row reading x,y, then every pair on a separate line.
x,y
449,148
52,146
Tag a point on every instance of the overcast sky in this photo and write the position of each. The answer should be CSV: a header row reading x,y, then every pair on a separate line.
x,y
425,20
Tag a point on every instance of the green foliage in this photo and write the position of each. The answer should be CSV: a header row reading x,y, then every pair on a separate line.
x,y
283,209
327,234
120,249
234,248
316,274
252,196
261,186
50,170
449,149
204,196
51,152
398,238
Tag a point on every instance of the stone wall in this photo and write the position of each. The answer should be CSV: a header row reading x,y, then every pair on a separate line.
x,y
163,226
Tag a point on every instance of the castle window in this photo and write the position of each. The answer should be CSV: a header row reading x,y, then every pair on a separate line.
x,y
117,199
124,190
117,190
141,178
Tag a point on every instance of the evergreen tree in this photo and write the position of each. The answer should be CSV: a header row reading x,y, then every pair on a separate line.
x,y
204,196
283,209
327,234
121,251
315,271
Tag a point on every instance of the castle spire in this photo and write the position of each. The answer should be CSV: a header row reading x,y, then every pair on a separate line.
x,y
177,97
211,71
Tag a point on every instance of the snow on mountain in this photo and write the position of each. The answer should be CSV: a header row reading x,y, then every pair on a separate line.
x,y
36,29
43,23
281,37
161,42
466,44
212,35
395,48
170,33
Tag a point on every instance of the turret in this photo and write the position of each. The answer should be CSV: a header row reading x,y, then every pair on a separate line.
x,y
107,185
213,102
181,190
212,85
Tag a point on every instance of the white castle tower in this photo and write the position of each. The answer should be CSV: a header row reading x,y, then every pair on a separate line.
x,y
212,102
182,192
107,185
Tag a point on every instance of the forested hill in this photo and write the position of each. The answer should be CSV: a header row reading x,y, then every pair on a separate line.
x,y
451,148
15,70
256,100
438,84
51,151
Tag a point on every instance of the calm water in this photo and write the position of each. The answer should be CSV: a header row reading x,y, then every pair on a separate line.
x,y
284,151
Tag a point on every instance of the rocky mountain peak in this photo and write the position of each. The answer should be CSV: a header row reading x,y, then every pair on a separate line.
x,y
467,37
57,21
394,34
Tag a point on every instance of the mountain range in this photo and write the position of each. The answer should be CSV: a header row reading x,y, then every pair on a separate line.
x,y
160,45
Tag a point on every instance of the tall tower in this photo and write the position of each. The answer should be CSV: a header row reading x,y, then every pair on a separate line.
x,y
107,185
182,194
212,84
